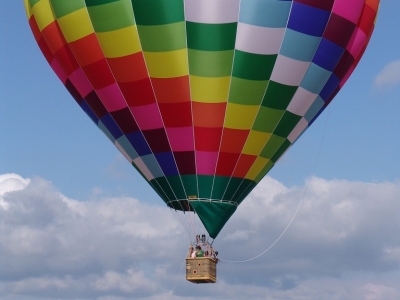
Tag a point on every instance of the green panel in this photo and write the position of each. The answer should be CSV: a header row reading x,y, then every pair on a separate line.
x,y
267,119
158,12
213,215
112,16
232,188
244,189
33,2
219,187
62,7
205,186
247,92
96,2
177,187
162,38
210,63
286,124
190,184
165,187
281,150
264,171
166,195
278,95
211,37
253,66
273,144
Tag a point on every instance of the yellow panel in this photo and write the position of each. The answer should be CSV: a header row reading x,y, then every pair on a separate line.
x,y
28,9
121,42
209,89
257,167
240,116
76,25
167,64
256,142
43,13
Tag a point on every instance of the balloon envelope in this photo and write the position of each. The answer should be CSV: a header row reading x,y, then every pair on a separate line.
x,y
203,96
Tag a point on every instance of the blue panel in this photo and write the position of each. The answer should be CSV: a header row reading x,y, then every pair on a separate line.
x,y
328,55
315,79
308,20
265,13
314,109
112,127
89,112
152,164
299,46
139,143
167,163
317,115
330,87
103,128
126,145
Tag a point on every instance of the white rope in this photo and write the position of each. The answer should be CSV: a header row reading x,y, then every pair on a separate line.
x,y
298,207
176,279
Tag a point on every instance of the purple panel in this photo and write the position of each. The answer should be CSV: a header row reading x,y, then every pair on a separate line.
x,y
330,87
186,162
328,55
167,163
89,112
321,4
157,140
308,20
139,143
125,120
344,65
73,91
112,127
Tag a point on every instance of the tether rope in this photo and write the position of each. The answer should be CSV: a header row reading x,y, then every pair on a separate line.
x,y
298,207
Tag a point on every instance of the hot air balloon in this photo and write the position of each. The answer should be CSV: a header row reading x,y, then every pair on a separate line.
x,y
203,97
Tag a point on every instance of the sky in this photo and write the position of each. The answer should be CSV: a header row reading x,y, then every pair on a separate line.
x,y
78,222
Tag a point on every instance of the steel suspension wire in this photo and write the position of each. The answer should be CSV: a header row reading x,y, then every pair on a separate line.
x,y
298,207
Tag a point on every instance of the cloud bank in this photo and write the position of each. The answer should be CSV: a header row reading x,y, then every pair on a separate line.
x,y
343,244
389,76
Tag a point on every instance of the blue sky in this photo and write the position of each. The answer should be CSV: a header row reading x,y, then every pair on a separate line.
x,y
58,153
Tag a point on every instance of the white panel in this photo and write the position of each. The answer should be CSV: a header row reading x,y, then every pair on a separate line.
x,y
298,130
212,11
289,71
142,167
301,102
259,40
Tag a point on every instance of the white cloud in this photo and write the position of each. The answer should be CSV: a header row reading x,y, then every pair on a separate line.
x,y
120,248
389,76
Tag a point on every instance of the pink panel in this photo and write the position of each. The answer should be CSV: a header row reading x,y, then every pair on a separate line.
x,y
80,82
348,11
181,138
147,116
112,98
357,42
206,162
55,65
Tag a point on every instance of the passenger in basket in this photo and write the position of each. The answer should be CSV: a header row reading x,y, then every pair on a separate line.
x,y
199,252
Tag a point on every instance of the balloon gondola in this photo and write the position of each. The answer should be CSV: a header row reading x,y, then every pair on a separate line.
x,y
203,97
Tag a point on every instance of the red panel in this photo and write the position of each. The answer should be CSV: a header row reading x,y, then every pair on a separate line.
x,y
233,140
45,50
54,37
128,68
87,50
226,163
339,30
186,162
207,139
35,28
66,60
138,92
324,4
176,114
172,90
243,166
99,74
208,114
367,19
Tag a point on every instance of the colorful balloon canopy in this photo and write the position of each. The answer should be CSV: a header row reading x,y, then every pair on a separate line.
x,y
203,96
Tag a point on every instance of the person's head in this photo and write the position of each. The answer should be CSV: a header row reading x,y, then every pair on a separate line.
x,y
216,252
198,248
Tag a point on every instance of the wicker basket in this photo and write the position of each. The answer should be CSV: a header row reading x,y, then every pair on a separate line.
x,y
201,270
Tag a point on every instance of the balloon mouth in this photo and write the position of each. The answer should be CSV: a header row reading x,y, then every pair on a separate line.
x,y
185,204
